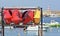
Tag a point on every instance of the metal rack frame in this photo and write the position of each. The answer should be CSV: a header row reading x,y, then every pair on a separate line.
x,y
39,33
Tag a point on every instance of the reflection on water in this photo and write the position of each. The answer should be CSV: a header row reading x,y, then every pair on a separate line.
x,y
53,33
15,32
49,32
32,34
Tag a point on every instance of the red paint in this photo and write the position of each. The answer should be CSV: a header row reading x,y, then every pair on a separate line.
x,y
15,17
20,16
7,16
28,17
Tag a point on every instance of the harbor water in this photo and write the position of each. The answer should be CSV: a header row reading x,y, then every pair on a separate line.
x,y
52,31
15,32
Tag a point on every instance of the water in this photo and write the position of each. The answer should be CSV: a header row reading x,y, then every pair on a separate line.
x,y
53,32
48,19
14,32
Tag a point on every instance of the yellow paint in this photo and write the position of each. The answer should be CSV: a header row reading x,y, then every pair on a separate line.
x,y
37,13
37,16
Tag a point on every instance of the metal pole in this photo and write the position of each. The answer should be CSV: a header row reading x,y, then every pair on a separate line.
x,y
41,23
2,22
20,8
40,29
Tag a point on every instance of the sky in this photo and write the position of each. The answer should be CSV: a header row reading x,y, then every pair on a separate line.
x,y
53,4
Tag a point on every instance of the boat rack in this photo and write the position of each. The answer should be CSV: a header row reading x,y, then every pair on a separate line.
x,y
22,26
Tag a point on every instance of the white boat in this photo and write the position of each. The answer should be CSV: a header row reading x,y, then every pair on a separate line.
x,y
35,28
53,22
54,15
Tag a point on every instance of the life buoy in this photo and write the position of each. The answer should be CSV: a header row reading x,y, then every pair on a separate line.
x,y
15,16
7,16
37,17
28,17
20,16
